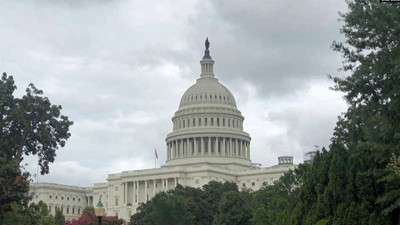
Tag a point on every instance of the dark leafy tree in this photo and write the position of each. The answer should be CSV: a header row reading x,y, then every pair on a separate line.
x,y
352,184
14,186
35,214
59,217
233,210
30,125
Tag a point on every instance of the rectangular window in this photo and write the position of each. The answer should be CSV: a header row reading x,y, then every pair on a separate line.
x,y
217,122
199,122
194,122
116,201
205,121
212,121
223,122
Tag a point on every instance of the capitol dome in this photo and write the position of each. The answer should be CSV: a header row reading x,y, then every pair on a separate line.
x,y
208,127
207,90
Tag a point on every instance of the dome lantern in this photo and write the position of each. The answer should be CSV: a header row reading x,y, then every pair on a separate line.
x,y
207,64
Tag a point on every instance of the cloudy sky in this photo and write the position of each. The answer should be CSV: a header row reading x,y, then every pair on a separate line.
x,y
119,69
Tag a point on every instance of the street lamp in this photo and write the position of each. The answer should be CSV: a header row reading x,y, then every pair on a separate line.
x,y
99,211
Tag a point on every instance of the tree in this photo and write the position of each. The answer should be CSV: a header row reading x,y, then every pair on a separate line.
x,y
59,217
351,183
30,125
87,208
14,186
170,209
233,210
35,214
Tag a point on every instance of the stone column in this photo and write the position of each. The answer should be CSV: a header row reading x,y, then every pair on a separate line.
x,y
188,151
181,149
223,147
166,183
230,147
168,152
237,147
248,150
137,191
125,192
209,145
145,190
176,181
174,149
196,146
202,146
242,149
154,187
216,146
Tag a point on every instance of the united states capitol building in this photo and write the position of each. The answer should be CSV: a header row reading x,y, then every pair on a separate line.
x,y
207,143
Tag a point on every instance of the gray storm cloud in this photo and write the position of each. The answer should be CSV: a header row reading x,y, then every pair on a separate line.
x,y
119,68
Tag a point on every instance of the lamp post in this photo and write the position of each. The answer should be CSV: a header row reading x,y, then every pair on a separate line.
x,y
99,211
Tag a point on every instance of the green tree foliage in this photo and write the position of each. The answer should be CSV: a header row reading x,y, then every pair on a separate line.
x,y
30,125
59,217
86,209
276,203
14,186
35,214
196,206
233,210
352,183
170,209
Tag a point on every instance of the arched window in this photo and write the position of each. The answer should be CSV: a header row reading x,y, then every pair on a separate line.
x,y
212,121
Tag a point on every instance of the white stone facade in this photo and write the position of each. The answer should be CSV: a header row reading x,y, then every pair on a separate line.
x,y
207,143
71,200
